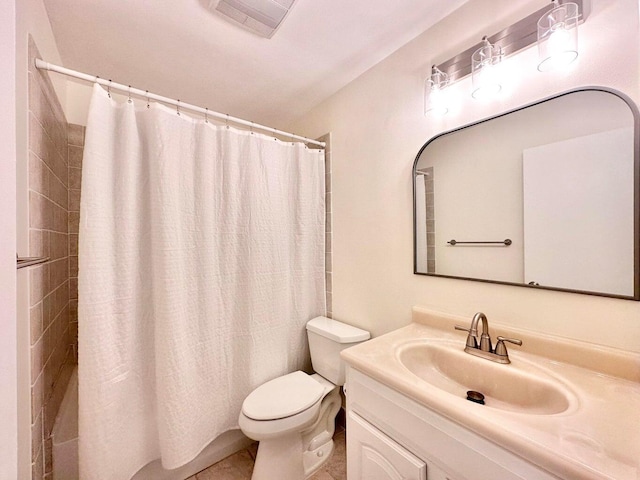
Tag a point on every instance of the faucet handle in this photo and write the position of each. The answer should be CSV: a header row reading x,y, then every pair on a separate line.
x,y
501,348
471,340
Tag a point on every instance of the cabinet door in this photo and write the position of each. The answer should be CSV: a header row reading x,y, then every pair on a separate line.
x,y
374,456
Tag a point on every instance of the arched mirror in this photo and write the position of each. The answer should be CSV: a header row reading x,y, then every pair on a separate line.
x,y
545,196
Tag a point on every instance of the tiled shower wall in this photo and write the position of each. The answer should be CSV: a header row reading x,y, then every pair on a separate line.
x,y
328,225
75,149
52,338
427,175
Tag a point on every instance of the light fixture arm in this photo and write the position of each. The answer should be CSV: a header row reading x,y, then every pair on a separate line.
x,y
438,78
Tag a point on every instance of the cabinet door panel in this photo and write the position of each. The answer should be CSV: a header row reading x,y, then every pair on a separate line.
x,y
374,456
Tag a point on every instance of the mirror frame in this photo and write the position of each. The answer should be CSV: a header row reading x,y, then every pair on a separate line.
x,y
636,195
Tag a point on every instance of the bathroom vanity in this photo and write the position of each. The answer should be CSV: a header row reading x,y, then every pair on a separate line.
x,y
561,410
391,436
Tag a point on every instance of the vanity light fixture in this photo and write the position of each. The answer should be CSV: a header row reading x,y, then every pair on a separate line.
x,y
555,29
485,75
558,36
435,100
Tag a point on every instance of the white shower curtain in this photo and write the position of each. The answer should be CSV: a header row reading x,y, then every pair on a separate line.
x,y
201,255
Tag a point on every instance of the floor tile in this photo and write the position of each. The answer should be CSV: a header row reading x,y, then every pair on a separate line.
x,y
337,464
253,450
322,475
239,466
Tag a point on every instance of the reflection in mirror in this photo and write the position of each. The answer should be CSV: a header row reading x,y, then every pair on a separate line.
x,y
545,196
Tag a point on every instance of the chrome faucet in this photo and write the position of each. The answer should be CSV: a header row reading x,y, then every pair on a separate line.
x,y
481,346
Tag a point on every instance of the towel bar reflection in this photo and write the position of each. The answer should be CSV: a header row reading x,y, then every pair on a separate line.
x,y
29,261
506,243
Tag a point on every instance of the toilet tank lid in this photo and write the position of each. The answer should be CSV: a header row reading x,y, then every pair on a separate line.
x,y
337,331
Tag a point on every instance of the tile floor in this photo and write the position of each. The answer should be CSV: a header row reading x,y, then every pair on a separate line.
x,y
239,466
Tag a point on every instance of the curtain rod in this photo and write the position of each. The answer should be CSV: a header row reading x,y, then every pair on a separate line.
x,y
42,65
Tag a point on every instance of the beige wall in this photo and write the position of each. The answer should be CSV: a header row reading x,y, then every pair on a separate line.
x,y
377,128
8,324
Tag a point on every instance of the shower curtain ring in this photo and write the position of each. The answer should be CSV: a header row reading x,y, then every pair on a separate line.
x,y
206,115
129,97
251,128
178,107
227,121
109,89
146,92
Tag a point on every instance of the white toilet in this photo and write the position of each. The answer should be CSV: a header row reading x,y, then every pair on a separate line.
x,y
293,416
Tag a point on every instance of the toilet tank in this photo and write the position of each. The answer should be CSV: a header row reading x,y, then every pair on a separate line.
x,y
327,338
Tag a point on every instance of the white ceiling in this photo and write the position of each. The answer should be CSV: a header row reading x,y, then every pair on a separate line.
x,y
180,49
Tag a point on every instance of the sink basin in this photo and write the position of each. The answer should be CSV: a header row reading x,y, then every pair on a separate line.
x,y
518,387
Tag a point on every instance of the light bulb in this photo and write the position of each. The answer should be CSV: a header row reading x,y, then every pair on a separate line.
x,y
561,49
559,40
438,101
488,81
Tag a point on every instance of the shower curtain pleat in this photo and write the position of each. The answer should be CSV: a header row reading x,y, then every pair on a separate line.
x,y
201,255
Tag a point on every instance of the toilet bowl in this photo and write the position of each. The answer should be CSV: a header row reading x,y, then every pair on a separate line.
x,y
293,416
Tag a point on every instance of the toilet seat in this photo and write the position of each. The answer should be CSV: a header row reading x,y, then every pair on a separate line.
x,y
283,397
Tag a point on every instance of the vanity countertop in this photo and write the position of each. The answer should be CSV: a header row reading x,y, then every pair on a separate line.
x,y
597,437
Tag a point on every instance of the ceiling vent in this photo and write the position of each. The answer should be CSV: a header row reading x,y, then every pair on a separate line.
x,y
262,17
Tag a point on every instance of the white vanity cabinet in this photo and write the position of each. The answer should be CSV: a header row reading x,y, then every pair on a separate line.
x,y
374,456
390,436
